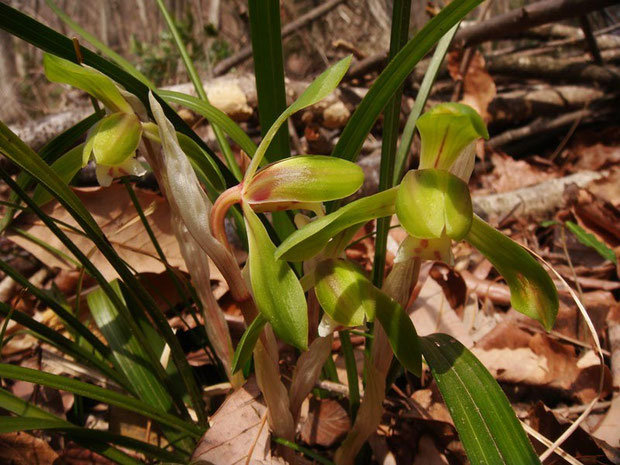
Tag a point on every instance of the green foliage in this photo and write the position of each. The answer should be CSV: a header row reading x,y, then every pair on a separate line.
x,y
589,240
277,292
432,203
487,425
532,291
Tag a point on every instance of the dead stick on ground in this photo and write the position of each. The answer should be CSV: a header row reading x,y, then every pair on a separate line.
x,y
542,125
288,29
534,200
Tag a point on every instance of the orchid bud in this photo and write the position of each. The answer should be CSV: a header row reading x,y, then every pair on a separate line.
x,y
301,181
343,292
445,131
432,202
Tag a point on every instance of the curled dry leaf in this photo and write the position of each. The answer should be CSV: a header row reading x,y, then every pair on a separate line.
x,y
509,174
580,444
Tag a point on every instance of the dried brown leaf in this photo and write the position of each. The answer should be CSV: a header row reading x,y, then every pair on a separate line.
x,y
327,422
23,449
113,211
238,428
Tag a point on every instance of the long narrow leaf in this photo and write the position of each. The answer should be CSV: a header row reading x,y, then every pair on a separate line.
x,y
269,71
195,78
33,417
131,358
420,101
67,346
98,393
401,12
50,152
71,321
22,155
213,115
487,425
103,48
48,40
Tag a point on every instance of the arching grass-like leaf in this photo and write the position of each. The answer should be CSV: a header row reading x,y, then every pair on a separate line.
x,y
532,291
400,332
15,149
590,240
213,115
132,360
311,239
67,166
48,40
67,346
247,342
100,394
32,417
275,287
487,425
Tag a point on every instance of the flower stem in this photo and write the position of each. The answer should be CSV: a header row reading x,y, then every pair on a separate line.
x,y
227,199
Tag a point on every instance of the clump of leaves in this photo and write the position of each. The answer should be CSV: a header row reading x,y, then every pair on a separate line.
x,y
432,203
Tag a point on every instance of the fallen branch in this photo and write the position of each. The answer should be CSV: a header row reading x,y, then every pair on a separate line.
x,y
546,125
512,23
504,26
566,69
538,200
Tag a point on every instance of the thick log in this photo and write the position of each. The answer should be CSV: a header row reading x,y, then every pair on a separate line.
x,y
548,125
521,105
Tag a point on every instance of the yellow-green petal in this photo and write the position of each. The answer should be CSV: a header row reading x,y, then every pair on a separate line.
x,y
116,139
93,82
532,291
433,202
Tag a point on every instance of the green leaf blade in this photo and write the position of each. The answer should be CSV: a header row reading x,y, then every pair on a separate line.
x,y
484,419
247,342
277,291
590,240
532,291
98,393
400,331
394,75
311,239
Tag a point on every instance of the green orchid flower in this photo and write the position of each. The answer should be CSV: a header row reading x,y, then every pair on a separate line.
x,y
111,143
434,206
